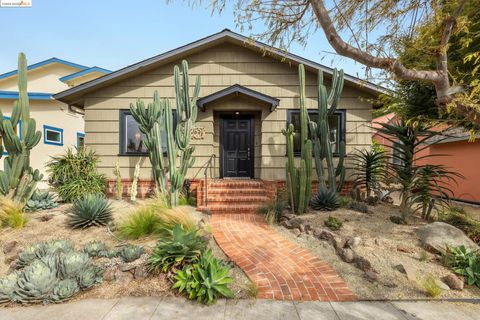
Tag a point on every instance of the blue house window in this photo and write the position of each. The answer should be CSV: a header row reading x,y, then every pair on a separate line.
x,y
19,132
80,139
52,135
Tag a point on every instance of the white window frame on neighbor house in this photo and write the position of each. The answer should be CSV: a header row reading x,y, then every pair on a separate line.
x,y
47,128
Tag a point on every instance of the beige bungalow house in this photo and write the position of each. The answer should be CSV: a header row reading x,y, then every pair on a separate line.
x,y
249,92
61,125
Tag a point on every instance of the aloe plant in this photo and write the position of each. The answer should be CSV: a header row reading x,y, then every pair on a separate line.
x,y
18,180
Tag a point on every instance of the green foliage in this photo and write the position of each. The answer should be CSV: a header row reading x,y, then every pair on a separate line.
x,y
90,210
206,280
18,180
272,210
49,272
96,249
369,170
398,220
465,262
299,180
344,202
41,201
181,248
333,223
157,117
325,200
130,253
458,217
431,286
359,206
11,214
74,174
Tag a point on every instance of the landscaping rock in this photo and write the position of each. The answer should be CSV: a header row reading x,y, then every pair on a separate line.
x,y
140,272
353,242
442,285
347,255
301,227
405,249
110,274
9,246
454,282
124,267
123,276
371,275
288,216
286,224
409,271
296,232
363,264
296,222
437,236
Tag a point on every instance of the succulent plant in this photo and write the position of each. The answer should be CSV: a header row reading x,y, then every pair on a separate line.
x,y
7,287
58,246
35,282
130,253
325,200
72,264
41,201
64,290
90,276
29,254
96,248
90,210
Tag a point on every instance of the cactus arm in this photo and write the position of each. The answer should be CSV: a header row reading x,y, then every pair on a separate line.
x,y
302,187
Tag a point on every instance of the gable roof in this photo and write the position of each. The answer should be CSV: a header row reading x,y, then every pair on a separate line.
x,y
238,89
84,72
74,95
44,63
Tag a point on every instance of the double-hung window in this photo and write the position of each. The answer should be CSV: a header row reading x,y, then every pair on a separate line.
x,y
336,122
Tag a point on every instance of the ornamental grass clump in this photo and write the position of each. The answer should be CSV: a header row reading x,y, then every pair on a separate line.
x,y
49,272
90,210
11,214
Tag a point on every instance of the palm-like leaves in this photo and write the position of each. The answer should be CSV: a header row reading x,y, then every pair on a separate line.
x,y
369,170
90,210
181,248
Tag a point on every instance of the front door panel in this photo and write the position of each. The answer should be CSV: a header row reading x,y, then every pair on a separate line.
x,y
237,146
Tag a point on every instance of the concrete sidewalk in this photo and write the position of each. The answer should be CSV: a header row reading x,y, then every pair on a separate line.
x,y
178,308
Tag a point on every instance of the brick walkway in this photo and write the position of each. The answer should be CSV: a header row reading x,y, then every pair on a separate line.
x,y
280,269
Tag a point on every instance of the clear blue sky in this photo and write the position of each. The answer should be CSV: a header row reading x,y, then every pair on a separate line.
x,y
115,33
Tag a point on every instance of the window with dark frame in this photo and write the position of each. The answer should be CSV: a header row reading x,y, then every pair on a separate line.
x,y
132,139
336,123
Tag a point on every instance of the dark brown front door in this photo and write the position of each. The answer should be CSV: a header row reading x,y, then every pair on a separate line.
x,y
236,143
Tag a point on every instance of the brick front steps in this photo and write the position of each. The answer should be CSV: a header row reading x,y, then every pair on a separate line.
x,y
234,196
280,269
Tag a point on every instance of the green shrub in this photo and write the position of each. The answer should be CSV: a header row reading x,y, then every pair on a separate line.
x,y
272,210
465,262
431,286
90,210
333,223
41,201
74,174
359,206
176,251
398,220
458,217
344,202
11,214
205,280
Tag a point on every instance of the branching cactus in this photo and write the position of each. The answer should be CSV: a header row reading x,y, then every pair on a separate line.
x,y
158,117
320,131
299,181
18,180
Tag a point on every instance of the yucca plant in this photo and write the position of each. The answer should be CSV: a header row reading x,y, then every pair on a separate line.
x,y
90,210
11,214
325,200
369,170
175,251
205,280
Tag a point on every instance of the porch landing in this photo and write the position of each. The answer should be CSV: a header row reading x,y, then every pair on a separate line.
x,y
280,269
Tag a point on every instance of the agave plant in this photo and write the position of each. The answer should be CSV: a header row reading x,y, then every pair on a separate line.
x,y
35,282
29,254
181,248
72,264
130,253
206,280
325,200
90,276
41,201
96,248
64,290
55,246
7,287
90,210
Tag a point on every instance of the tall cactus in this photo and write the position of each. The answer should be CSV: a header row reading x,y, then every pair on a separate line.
x,y
327,104
159,116
18,180
299,180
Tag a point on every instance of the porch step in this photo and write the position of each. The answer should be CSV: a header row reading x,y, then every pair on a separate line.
x,y
236,196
